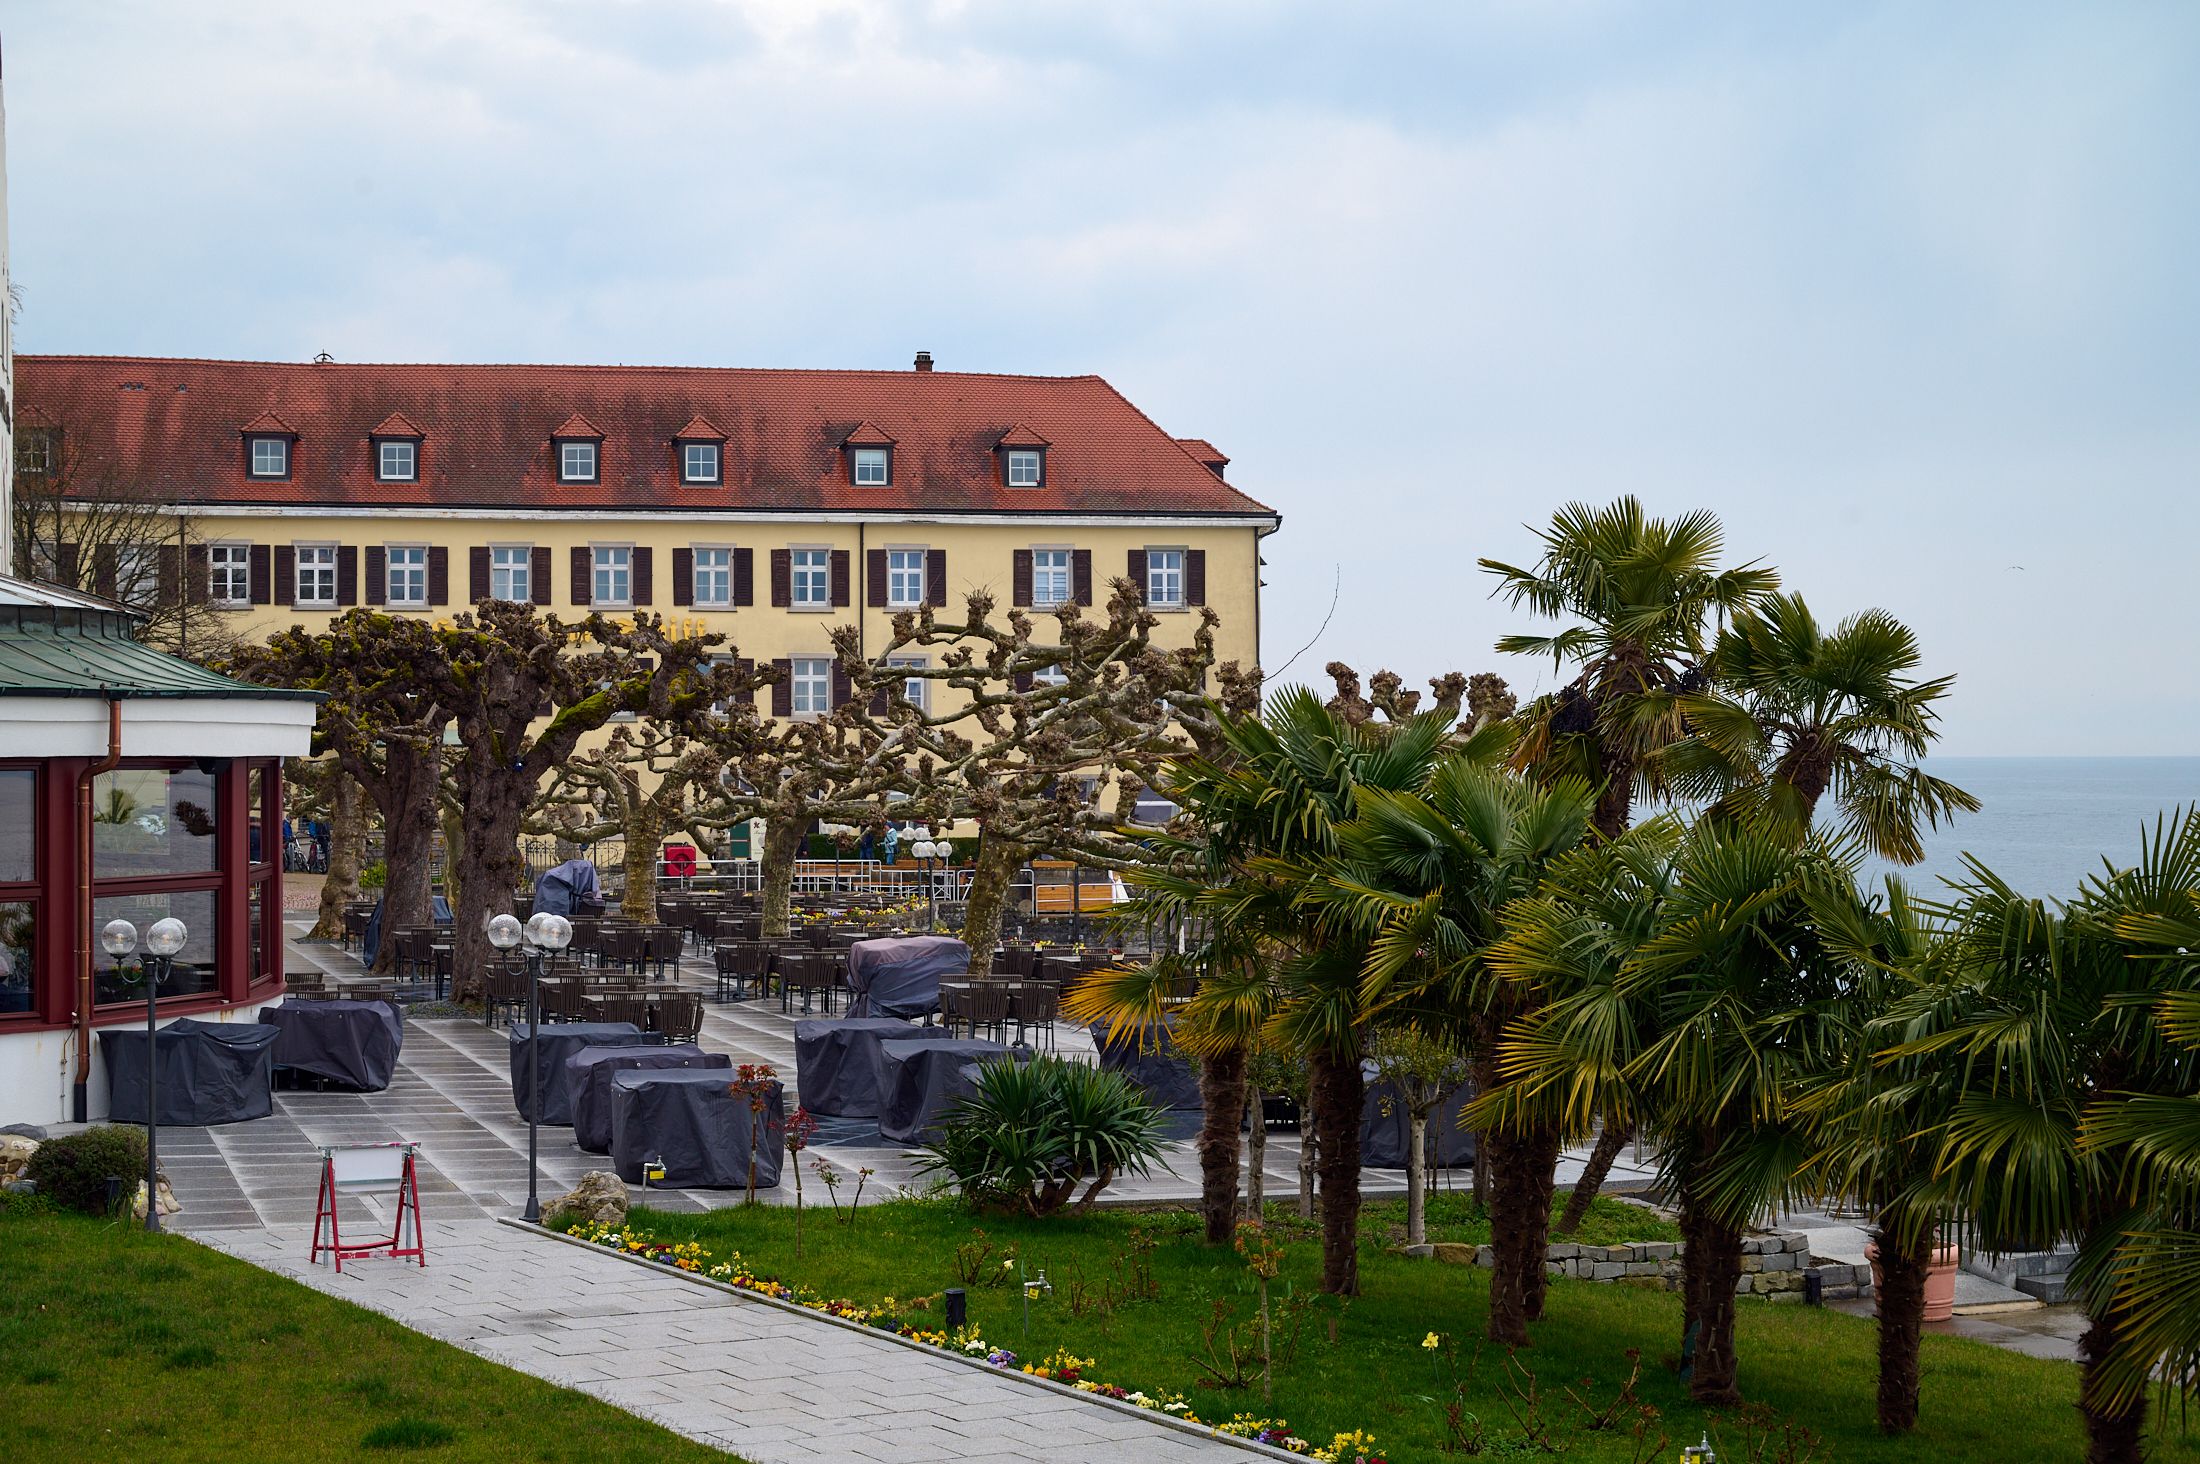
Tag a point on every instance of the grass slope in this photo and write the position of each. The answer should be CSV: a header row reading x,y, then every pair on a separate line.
x,y
115,1344
1362,1364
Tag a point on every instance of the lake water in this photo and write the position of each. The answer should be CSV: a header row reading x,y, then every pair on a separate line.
x,y
2047,821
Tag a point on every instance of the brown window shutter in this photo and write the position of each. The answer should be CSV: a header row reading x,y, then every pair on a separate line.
x,y
1022,680
477,574
67,558
841,587
1080,571
843,685
583,565
538,574
286,574
261,576
683,576
743,667
168,572
347,574
874,565
196,573
1022,577
782,577
744,576
377,575
644,590
935,576
439,575
106,575
882,699
782,688
1138,573
1195,576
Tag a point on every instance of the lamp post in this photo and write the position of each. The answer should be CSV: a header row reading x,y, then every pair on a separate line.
x,y
926,851
162,944
545,935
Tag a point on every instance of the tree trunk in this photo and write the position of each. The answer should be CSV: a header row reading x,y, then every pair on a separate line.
x,y
783,839
408,792
990,883
1416,1175
645,832
1339,1092
1519,1229
347,837
1900,1298
1310,1151
1481,1172
1614,1138
491,821
2114,1433
1256,1156
1712,1266
455,869
1539,1151
1222,1095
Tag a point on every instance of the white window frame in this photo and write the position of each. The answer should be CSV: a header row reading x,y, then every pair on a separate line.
x,y
137,575
1067,569
802,574
1050,676
916,690
687,462
611,568
38,450
810,686
518,576
567,446
384,447
414,571
229,562
1161,575
720,570
865,458
905,581
280,447
1025,458
324,562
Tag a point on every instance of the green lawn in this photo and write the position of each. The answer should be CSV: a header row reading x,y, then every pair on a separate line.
x,y
1363,1365
115,1344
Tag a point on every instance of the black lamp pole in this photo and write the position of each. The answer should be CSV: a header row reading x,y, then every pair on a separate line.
x,y
155,968
533,1213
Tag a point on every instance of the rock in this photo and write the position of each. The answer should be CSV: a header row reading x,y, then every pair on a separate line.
x,y
1453,1253
15,1155
1659,1250
29,1131
599,1199
1414,1252
169,1204
19,1186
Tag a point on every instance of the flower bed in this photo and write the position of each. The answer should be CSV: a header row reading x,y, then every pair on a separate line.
x,y
890,1314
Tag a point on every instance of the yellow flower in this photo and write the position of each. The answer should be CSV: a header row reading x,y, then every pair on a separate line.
x,y
1431,1342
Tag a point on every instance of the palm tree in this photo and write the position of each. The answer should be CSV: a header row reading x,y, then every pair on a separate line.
x,y
2069,1096
1798,713
1644,596
1420,881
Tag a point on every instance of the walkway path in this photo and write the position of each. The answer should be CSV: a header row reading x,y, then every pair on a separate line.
x,y
772,1386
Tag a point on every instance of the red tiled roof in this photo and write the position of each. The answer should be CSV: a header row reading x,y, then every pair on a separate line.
x,y
869,434
176,422
576,426
268,422
1205,451
396,424
699,429
1022,436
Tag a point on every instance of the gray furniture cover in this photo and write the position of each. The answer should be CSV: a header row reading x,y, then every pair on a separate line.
x,y
350,1042
588,1078
1385,1137
900,976
836,1063
920,1076
1150,1060
560,1040
439,909
689,1120
565,888
210,1072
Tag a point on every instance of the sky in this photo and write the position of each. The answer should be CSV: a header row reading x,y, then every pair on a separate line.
x,y
1908,295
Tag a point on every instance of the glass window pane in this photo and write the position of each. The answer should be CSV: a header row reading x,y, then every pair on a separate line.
x,y
255,792
194,967
257,958
149,821
18,824
18,954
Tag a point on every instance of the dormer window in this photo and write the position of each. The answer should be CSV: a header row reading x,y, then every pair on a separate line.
x,y
699,462
270,456
396,443
577,449
35,451
873,467
1023,457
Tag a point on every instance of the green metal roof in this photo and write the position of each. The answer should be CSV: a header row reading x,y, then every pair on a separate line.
x,y
60,649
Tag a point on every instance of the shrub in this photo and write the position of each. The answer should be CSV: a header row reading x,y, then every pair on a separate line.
x,y
72,1171
1032,1132
374,876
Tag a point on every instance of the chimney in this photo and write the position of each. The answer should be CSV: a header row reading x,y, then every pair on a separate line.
x,y
924,360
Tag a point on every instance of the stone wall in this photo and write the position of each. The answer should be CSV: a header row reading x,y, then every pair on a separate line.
x,y
1773,1265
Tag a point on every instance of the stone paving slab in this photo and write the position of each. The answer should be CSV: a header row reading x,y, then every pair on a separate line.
x,y
733,1372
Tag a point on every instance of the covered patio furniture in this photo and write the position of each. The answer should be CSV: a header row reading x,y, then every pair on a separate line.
x,y
689,1121
1148,1057
564,889
920,1076
588,1075
354,1043
210,1072
900,976
836,1063
558,1042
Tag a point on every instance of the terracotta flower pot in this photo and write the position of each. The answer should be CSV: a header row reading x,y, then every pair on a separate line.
x,y
1940,1279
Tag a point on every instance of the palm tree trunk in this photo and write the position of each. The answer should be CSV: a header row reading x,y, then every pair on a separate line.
x,y
1614,1138
1520,1164
1222,1093
1539,1151
2115,1433
1900,1298
1339,1092
1711,1268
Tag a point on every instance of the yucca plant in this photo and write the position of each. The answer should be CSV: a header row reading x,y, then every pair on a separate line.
x,y
1031,1133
